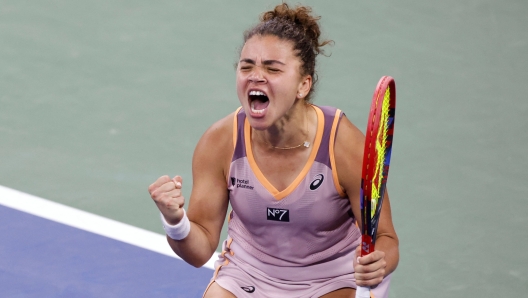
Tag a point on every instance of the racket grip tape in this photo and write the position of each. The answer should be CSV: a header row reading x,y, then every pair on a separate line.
x,y
362,292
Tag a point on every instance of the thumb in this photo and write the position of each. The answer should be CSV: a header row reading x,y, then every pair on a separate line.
x,y
178,181
358,254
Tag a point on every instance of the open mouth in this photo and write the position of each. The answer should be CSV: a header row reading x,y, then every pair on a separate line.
x,y
258,101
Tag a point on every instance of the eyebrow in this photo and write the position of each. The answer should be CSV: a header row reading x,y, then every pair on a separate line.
x,y
265,62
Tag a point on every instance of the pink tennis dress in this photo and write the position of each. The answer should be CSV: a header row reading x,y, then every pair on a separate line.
x,y
299,242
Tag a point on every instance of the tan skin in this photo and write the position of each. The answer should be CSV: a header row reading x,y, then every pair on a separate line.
x,y
268,64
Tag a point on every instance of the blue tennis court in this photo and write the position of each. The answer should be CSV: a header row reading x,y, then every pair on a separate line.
x,y
40,257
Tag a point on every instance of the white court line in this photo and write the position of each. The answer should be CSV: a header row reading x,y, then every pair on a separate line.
x,y
89,222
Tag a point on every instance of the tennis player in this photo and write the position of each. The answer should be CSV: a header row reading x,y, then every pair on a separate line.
x,y
291,171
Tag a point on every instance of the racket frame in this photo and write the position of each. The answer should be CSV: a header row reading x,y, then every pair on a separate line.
x,y
369,222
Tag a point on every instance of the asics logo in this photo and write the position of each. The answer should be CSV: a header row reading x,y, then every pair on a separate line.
x,y
249,289
318,180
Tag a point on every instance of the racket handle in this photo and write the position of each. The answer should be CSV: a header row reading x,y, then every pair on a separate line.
x,y
362,292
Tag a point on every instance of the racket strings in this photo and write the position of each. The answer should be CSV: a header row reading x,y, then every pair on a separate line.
x,y
381,146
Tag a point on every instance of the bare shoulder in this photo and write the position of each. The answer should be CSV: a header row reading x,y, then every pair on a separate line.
x,y
349,141
219,130
216,144
349,145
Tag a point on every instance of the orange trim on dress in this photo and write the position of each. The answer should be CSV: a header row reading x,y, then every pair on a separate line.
x,y
226,262
235,127
253,163
279,195
235,134
333,132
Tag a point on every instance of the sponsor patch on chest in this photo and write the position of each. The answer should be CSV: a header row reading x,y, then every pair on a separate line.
x,y
241,183
276,214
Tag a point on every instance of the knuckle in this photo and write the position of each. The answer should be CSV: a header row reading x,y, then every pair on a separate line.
x,y
157,195
180,201
151,188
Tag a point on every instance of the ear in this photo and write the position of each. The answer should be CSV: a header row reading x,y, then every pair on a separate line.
x,y
304,86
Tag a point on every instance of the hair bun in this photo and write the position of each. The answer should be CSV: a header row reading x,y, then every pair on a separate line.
x,y
300,16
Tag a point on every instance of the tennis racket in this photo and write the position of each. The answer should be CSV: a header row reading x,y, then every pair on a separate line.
x,y
376,161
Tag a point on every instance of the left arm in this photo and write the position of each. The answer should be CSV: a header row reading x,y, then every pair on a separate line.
x,y
371,269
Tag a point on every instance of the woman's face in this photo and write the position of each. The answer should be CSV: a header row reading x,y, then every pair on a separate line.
x,y
269,80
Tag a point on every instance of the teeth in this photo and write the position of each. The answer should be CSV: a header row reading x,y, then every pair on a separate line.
x,y
256,93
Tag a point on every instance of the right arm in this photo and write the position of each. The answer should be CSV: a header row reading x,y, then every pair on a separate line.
x,y
209,200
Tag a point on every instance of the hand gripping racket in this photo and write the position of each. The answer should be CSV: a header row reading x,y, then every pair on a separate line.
x,y
376,161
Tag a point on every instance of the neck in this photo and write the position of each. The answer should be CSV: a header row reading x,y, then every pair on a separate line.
x,y
290,132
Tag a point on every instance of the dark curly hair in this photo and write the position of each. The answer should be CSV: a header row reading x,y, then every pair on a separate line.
x,y
298,26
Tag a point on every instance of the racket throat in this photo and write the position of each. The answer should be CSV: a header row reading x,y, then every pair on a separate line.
x,y
367,245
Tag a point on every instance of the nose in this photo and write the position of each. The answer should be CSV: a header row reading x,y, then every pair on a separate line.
x,y
256,76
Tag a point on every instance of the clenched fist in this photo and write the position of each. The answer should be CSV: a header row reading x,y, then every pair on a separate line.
x,y
166,193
